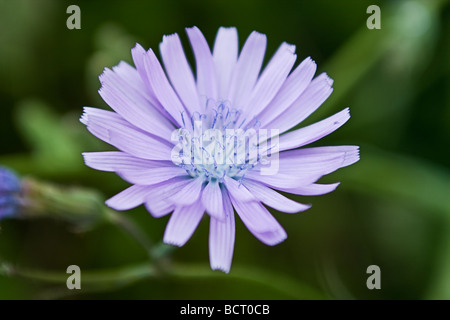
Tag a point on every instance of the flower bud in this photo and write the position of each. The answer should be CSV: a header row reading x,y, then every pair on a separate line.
x,y
10,189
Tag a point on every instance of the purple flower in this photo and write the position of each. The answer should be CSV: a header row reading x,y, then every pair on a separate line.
x,y
9,193
218,141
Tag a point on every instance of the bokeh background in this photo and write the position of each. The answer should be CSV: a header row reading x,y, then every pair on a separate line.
x,y
392,208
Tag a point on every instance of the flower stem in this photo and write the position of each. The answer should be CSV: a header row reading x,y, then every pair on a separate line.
x,y
111,278
157,252
281,283
116,278
131,229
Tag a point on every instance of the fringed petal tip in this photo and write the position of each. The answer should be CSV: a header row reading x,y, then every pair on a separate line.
x,y
258,34
172,242
228,28
352,155
290,47
104,74
84,116
192,28
182,224
224,269
138,48
309,60
122,64
86,159
324,76
167,37
114,70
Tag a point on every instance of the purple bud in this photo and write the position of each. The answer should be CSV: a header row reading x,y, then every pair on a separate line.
x,y
9,193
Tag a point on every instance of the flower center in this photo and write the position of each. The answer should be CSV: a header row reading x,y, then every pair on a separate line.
x,y
219,143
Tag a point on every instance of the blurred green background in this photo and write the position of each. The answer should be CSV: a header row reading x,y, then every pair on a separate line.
x,y
392,208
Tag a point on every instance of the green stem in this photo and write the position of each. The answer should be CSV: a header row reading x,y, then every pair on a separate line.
x,y
120,277
112,278
158,253
131,229
278,282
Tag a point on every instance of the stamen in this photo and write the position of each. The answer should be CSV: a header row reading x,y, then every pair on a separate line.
x,y
242,123
182,119
215,119
220,154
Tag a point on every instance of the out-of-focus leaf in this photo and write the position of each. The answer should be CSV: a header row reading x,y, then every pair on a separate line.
x,y
112,45
56,142
404,44
82,207
22,23
414,183
440,285
279,282
409,180
440,280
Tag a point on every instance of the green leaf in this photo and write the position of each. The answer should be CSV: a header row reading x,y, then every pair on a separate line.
x,y
406,179
54,144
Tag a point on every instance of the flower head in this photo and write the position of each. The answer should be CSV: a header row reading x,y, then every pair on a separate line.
x,y
9,193
216,142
